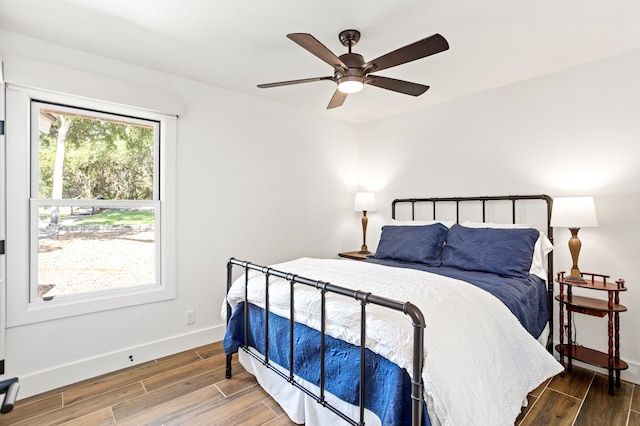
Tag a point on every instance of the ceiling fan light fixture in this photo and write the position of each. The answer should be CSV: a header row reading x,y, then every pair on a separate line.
x,y
350,84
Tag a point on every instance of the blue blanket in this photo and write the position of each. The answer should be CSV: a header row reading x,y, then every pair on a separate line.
x,y
526,298
388,387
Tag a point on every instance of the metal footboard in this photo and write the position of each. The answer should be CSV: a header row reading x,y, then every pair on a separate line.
x,y
418,322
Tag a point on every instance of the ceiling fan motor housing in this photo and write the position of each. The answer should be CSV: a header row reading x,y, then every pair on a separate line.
x,y
354,62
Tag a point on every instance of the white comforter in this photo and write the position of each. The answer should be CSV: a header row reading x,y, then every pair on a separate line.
x,y
480,363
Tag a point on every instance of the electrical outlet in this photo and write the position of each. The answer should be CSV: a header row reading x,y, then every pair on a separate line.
x,y
190,317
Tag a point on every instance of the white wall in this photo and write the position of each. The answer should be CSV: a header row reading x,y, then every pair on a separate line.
x,y
255,180
575,132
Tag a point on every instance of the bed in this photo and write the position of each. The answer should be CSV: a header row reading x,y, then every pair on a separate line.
x,y
455,315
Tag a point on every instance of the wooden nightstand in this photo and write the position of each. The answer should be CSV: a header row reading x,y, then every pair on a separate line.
x,y
598,308
355,255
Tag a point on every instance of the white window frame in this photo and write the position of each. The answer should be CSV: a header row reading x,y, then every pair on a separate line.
x,y
3,209
20,308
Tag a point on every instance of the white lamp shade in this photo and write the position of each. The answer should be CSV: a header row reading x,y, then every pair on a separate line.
x,y
365,202
573,212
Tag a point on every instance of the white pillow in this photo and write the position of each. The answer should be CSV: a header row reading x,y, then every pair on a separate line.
x,y
447,223
540,251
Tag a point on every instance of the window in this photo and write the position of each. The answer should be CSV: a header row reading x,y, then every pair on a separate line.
x,y
94,201
96,183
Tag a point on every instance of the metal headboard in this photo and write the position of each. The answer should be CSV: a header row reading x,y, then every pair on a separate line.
x,y
483,201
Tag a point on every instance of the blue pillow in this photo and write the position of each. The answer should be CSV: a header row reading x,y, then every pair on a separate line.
x,y
415,244
506,252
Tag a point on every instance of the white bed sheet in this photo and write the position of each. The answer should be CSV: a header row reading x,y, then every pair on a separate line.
x,y
300,407
480,362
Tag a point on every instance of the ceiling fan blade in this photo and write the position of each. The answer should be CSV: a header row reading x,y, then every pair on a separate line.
x,y
310,43
401,86
337,99
420,49
290,82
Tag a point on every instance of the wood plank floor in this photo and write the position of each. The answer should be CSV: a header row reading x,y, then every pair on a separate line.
x,y
189,388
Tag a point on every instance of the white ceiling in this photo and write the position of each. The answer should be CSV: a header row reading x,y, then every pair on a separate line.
x,y
237,44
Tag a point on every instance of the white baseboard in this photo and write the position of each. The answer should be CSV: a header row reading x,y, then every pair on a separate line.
x,y
632,374
42,381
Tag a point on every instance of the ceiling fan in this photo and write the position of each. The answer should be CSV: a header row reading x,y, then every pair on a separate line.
x,y
351,72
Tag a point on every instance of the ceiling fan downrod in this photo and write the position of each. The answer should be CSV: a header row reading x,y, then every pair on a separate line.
x,y
349,38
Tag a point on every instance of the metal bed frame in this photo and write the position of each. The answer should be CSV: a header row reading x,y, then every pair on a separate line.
x,y
416,316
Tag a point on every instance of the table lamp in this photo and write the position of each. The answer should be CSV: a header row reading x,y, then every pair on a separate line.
x,y
574,213
365,202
